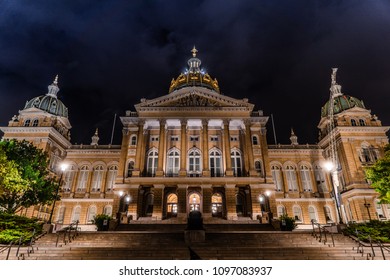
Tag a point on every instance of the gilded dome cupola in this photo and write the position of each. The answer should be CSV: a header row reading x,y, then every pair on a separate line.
x,y
194,76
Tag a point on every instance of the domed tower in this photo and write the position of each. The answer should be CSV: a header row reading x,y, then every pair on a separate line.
x,y
352,139
44,122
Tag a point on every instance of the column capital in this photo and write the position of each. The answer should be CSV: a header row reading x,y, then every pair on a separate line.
x,y
226,121
247,122
205,122
162,122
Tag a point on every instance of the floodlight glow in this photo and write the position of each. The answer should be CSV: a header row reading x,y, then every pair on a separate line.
x,y
329,165
64,166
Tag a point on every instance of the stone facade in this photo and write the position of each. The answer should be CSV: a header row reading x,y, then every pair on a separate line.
x,y
196,149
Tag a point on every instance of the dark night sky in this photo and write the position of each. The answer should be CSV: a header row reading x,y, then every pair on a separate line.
x,y
278,54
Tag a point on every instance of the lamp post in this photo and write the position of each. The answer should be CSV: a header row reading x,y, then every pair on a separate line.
x,y
330,166
367,205
63,167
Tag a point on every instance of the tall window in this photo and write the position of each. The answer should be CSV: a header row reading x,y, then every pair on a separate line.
x,y
194,161
83,178
306,179
61,215
328,215
173,163
68,179
362,122
91,214
281,210
35,122
107,210
297,213
255,140
353,122
277,176
312,213
379,210
152,163
258,167
320,178
76,214
130,169
291,178
368,154
97,178
236,163
133,140
27,122
215,163
111,175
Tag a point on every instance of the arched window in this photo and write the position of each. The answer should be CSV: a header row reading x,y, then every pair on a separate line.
x,y
61,215
133,140
291,178
97,178
152,163
107,210
27,122
215,163
68,179
130,168
362,122
312,213
281,210
35,122
297,213
353,122
91,214
255,140
194,161
216,205
173,163
379,210
111,175
83,178
172,205
277,176
236,163
258,167
306,179
328,214
76,214
320,178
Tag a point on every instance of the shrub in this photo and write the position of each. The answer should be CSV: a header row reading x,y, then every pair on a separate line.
x,y
99,219
287,223
378,231
12,227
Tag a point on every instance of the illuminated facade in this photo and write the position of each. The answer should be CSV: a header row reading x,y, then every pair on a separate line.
x,y
197,149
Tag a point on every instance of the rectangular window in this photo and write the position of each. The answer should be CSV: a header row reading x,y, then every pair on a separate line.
x,y
154,138
214,138
174,138
194,138
234,138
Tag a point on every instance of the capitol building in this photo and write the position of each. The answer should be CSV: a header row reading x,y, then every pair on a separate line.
x,y
197,149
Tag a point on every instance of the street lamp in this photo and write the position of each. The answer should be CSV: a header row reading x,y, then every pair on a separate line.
x,y
63,167
331,168
367,205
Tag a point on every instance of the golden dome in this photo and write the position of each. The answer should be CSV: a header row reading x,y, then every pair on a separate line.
x,y
194,76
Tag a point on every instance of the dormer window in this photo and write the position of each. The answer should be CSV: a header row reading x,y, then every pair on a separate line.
x,y
353,122
362,122
27,122
35,122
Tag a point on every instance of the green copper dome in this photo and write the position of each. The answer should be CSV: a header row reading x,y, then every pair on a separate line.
x,y
49,102
342,103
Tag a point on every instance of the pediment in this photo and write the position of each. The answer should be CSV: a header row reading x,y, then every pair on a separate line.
x,y
194,98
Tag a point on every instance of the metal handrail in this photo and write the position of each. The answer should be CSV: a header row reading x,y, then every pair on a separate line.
x,y
322,231
67,231
371,244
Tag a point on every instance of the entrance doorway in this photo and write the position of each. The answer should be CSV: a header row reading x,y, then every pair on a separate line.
x,y
149,199
194,202
172,205
216,205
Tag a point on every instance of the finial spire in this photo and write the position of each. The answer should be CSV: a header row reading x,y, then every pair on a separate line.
x,y
194,51
334,87
293,138
53,88
95,138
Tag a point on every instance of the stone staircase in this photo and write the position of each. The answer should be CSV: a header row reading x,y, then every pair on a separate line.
x,y
221,243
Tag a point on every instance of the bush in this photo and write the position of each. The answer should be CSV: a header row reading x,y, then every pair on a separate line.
x,y
378,231
287,223
12,227
98,220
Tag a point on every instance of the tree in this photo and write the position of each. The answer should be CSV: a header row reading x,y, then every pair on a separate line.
x,y
379,175
25,179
